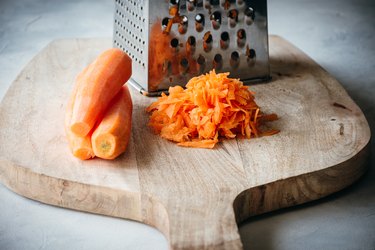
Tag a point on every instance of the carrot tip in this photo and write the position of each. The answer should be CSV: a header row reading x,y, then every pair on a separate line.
x,y
104,146
84,153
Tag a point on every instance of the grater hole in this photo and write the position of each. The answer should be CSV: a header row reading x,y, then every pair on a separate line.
x,y
164,22
199,18
218,58
215,2
190,45
241,34
201,60
224,36
184,65
224,40
218,61
173,2
227,3
207,41
183,25
199,22
250,53
249,15
216,19
233,17
191,41
191,5
235,56
234,59
207,5
174,43
241,38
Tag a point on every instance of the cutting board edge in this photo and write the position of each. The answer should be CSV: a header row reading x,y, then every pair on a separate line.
x,y
262,199
148,210
19,180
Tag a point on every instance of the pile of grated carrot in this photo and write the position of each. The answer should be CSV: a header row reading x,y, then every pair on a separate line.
x,y
211,106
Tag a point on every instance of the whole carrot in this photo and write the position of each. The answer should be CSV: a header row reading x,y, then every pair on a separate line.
x,y
97,87
80,146
111,137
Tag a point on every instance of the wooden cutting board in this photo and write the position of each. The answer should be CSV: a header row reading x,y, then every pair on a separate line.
x,y
195,197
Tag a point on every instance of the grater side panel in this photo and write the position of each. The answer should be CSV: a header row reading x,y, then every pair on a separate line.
x,y
131,35
171,58
163,59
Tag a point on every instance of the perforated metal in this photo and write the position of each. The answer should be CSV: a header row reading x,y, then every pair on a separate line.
x,y
197,35
131,35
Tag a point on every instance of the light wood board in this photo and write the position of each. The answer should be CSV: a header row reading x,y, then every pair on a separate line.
x,y
195,197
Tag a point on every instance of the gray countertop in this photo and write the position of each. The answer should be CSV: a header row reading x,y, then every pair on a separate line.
x,y
338,34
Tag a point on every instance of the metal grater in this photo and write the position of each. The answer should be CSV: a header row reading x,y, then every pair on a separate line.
x,y
171,41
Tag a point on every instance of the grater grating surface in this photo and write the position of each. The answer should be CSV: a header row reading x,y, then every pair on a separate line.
x,y
171,41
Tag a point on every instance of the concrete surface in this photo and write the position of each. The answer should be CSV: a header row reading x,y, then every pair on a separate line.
x,y
338,34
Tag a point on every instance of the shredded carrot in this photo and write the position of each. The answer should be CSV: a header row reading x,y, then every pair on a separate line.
x,y
211,107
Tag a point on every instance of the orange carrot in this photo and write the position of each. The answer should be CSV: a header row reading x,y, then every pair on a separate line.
x,y
212,105
80,146
97,87
111,137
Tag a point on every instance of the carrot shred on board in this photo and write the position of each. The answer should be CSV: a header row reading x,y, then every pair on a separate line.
x,y
211,106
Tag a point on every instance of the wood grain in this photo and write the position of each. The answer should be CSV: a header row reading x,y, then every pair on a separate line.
x,y
195,197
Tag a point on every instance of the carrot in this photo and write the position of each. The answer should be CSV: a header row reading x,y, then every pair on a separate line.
x,y
96,88
211,106
111,137
79,146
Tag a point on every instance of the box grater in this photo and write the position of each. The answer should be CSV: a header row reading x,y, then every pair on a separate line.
x,y
171,41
